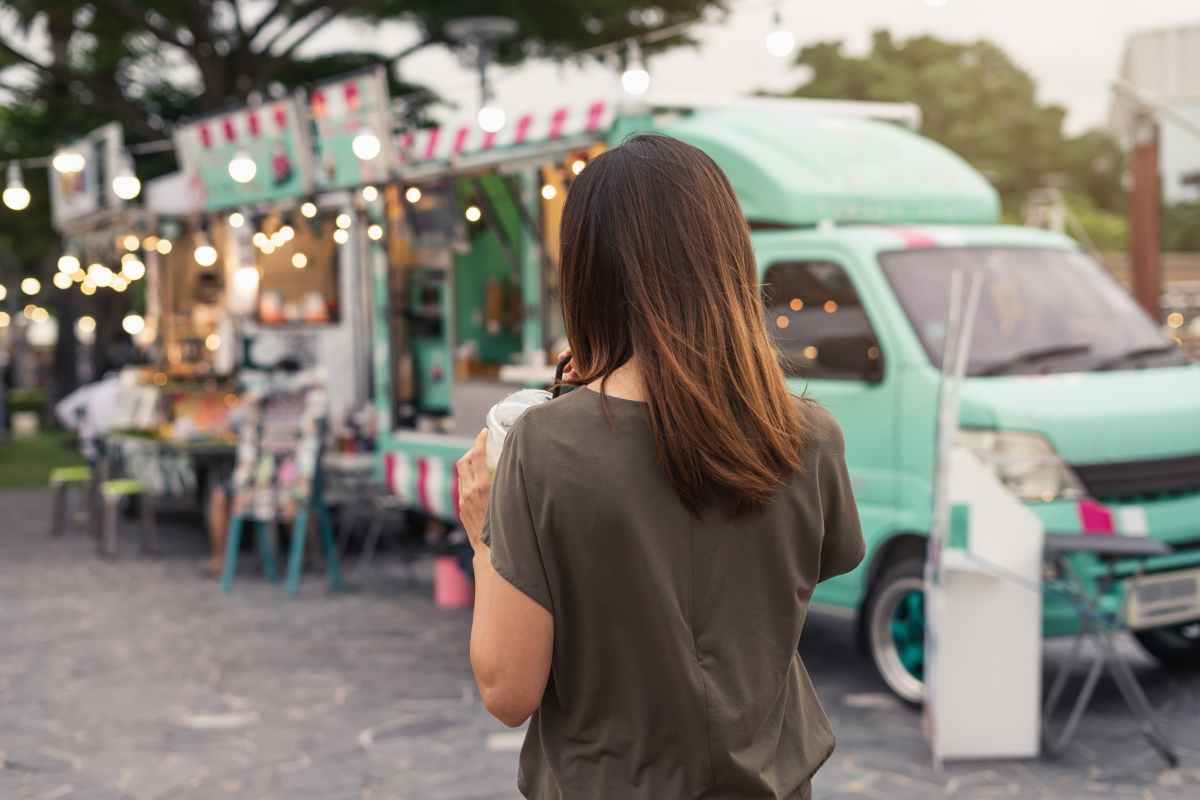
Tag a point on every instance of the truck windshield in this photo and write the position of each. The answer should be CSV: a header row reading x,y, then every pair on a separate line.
x,y
1041,311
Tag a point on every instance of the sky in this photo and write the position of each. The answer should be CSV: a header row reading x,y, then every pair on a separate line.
x,y
1072,48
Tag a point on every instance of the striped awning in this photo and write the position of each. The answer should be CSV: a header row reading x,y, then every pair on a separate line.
x,y
464,138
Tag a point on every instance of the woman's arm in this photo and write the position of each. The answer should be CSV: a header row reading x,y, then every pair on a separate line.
x,y
512,636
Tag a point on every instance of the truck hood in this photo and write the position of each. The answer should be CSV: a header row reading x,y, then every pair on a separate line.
x,y
1095,417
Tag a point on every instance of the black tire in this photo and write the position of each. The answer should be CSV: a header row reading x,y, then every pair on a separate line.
x,y
1175,646
895,586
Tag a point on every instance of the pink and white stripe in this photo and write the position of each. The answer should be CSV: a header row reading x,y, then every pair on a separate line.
x,y
464,136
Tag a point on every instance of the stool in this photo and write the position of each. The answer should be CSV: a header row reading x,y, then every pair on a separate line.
x,y
62,480
111,494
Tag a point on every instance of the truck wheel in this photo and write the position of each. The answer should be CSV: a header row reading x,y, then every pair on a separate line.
x,y
895,629
1175,646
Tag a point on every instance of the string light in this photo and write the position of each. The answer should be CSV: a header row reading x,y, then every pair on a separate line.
x,y
164,247
299,260
375,232
119,284
287,233
412,194
343,221
31,286
68,264
85,326
133,270
88,288
205,254
133,324
5,320
212,343
242,167
549,192
62,280
15,195
150,242
309,210
260,239
99,275
577,165
341,236
130,243
366,145
635,80
473,214
370,194
125,183
78,276
3,291
491,116
780,41
68,162
237,219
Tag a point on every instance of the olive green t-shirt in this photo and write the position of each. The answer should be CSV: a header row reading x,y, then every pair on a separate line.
x,y
675,671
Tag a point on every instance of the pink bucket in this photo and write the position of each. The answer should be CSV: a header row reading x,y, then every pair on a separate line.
x,y
451,587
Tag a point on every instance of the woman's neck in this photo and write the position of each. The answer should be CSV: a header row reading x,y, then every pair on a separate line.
x,y
625,383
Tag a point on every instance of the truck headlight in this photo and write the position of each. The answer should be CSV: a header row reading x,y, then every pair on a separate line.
x,y
1024,462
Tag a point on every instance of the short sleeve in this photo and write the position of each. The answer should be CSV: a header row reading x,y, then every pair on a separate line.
x,y
842,547
509,529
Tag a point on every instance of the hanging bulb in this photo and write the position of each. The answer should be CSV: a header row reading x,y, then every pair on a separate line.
x,y
237,219
370,194
205,254
309,210
133,324
491,116
15,196
67,265
412,194
780,41
635,80
242,167
68,162
366,145
125,183
341,236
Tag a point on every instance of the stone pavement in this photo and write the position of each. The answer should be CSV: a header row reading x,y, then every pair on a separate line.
x,y
137,679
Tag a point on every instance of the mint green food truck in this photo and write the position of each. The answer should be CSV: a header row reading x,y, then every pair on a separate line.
x,y
1071,390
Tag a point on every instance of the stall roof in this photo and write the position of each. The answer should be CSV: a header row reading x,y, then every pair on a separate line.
x,y
792,165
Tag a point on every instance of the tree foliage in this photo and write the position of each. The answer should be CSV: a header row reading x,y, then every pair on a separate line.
x,y
977,102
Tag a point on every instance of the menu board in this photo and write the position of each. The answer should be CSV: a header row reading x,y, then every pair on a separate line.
x,y
79,194
352,108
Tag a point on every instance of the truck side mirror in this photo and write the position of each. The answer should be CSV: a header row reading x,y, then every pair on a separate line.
x,y
851,356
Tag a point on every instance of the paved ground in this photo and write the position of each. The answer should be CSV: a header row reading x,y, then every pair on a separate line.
x,y
138,679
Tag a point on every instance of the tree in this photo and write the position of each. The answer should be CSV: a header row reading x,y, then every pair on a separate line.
x,y
977,102
150,63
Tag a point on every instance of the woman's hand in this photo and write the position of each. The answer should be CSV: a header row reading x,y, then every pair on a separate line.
x,y
474,489
569,373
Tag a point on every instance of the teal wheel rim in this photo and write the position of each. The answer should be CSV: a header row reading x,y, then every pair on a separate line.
x,y
908,632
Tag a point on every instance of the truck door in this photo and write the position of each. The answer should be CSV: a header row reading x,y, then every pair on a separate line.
x,y
831,352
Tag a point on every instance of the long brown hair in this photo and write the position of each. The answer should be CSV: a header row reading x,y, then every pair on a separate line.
x,y
657,264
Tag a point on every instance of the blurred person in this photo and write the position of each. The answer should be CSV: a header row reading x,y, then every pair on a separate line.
x,y
645,560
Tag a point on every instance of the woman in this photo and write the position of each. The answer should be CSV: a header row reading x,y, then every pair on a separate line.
x,y
644,568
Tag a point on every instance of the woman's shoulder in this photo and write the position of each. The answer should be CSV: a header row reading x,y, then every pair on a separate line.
x,y
824,431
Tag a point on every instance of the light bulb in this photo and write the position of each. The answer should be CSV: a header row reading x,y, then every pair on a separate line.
x,y
119,284
287,233
85,325
164,246
341,236
88,288
133,324
15,196
78,276
100,275
68,162
212,343
3,291
375,232
309,210
67,264
549,192
31,286
5,319
491,118
343,221
473,214
780,41
133,270
125,183
242,167
259,239
299,260
412,194
635,80
370,194
366,145
205,254
578,165
237,219
62,280
150,242
131,242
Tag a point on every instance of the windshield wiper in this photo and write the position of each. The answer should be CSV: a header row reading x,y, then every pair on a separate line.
x,y
1135,354
1031,356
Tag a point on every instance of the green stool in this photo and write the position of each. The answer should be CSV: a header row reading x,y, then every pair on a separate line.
x,y
62,480
112,493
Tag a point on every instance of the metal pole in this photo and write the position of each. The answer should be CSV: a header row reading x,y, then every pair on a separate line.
x,y
1145,218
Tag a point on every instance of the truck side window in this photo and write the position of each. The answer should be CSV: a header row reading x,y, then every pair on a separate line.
x,y
818,322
